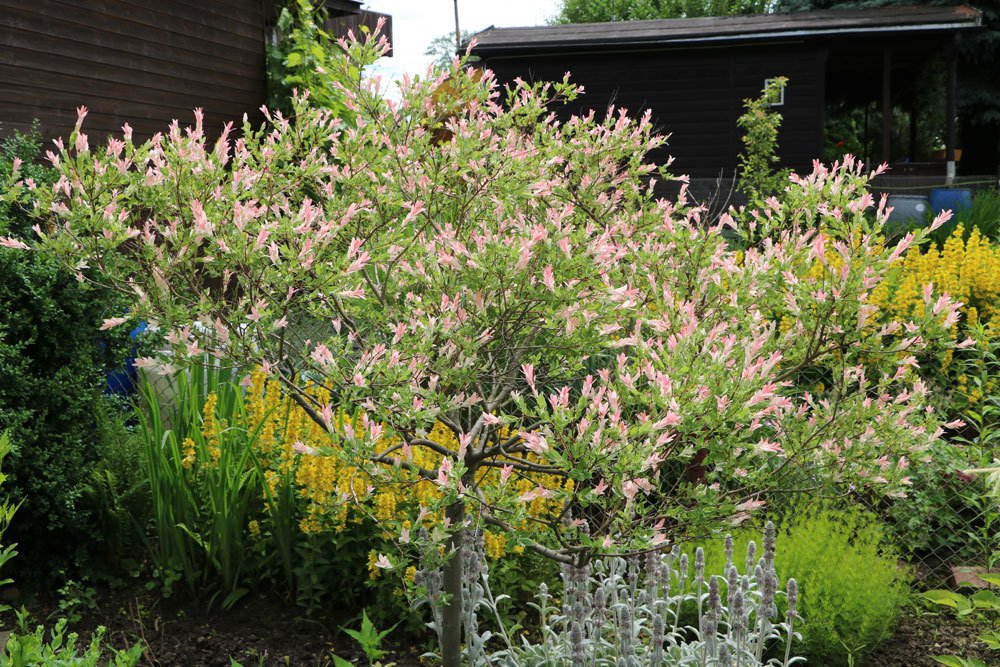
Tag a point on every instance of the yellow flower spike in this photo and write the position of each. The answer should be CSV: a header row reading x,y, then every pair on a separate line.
x,y
187,447
495,544
373,569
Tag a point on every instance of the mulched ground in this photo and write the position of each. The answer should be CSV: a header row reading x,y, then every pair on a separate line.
x,y
921,635
257,632
269,632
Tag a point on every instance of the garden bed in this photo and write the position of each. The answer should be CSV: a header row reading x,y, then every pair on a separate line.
x,y
260,631
266,631
921,635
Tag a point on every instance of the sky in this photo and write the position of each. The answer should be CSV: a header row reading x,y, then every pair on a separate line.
x,y
416,22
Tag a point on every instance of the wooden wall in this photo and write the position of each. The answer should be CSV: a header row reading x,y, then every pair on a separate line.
x,y
695,95
133,61
340,25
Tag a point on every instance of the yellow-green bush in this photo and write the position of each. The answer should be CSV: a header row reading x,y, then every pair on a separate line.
x,y
851,585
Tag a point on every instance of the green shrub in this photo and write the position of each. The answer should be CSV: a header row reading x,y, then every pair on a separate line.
x,y
851,585
7,510
51,385
758,178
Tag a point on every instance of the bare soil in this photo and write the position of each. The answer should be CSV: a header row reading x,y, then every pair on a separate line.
x,y
259,631
922,635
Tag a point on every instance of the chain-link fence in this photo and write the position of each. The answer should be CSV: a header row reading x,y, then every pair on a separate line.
x,y
948,525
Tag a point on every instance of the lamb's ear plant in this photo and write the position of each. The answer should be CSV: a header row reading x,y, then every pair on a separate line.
x,y
636,611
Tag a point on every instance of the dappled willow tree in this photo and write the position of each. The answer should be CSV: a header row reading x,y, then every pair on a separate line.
x,y
515,279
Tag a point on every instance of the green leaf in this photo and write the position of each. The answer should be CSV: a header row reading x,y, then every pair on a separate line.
x,y
991,579
292,59
234,597
986,599
951,661
946,598
367,627
340,662
991,639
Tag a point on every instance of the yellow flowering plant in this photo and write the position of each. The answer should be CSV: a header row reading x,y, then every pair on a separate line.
x,y
966,268
310,496
239,498
943,509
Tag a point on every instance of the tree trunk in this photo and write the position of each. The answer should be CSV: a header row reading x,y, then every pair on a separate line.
x,y
451,614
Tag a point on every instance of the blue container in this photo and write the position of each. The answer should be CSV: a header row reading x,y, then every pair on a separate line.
x,y
123,381
951,199
907,210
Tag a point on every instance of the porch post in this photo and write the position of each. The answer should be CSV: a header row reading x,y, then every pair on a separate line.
x,y
950,110
886,102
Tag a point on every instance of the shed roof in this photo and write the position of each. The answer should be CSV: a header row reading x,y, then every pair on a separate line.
x,y
667,32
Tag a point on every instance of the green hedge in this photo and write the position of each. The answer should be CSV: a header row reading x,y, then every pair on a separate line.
x,y
51,384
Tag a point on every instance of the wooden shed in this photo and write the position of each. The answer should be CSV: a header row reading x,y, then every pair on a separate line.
x,y
695,73
145,63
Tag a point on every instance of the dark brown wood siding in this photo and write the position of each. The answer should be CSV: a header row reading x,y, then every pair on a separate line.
x,y
340,25
145,63
695,96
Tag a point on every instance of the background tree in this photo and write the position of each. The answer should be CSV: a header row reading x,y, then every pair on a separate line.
x,y
442,48
595,11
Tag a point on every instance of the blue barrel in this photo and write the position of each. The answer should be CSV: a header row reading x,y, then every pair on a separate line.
x,y
951,199
122,381
907,211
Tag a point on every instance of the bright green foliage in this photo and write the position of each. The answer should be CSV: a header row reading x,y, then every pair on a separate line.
x,y
27,648
595,11
369,638
757,175
7,510
51,382
851,586
301,59
201,521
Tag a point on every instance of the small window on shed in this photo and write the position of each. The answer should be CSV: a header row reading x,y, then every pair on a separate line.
x,y
779,96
